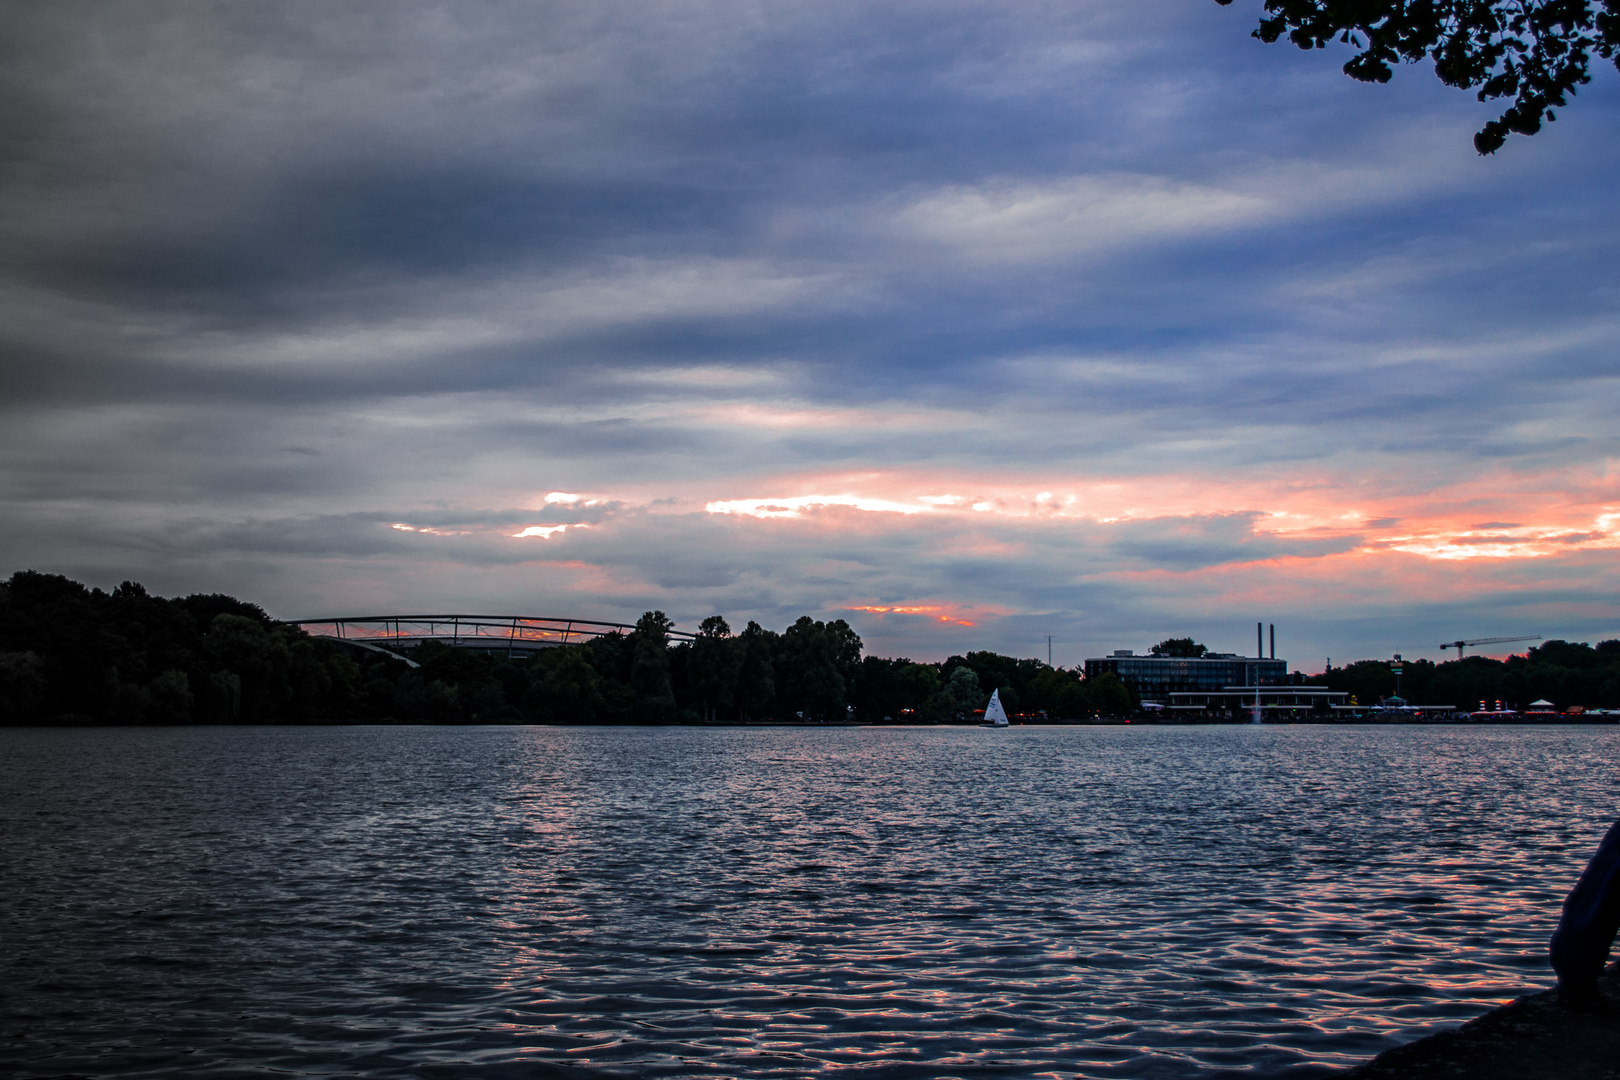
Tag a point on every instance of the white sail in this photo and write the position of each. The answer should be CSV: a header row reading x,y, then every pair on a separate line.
x,y
994,714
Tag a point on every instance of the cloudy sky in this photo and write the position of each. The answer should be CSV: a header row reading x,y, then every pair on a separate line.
x,y
968,322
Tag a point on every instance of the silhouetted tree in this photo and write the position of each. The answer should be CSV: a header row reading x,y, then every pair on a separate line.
x,y
893,689
22,687
965,690
1565,673
713,664
565,688
756,675
649,674
1179,647
923,684
1536,52
172,701
1056,692
1367,681
242,647
1111,695
203,607
812,661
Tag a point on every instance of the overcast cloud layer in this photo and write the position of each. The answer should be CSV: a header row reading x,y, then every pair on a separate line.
x,y
968,322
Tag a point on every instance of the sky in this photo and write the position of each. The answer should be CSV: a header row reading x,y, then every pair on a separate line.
x,y
969,323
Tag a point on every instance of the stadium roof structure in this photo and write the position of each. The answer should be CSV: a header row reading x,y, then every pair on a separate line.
x,y
512,634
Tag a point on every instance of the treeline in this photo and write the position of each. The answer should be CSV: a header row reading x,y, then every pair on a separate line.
x,y
71,654
1563,672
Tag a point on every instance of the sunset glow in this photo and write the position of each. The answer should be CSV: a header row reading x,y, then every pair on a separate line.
x,y
1090,324
545,532
797,505
842,539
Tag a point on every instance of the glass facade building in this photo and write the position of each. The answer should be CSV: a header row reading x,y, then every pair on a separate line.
x,y
1156,677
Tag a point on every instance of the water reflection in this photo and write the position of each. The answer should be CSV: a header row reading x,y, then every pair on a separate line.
x,y
1100,900
744,902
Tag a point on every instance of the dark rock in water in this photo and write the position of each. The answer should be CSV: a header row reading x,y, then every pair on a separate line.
x,y
1580,946
1537,1037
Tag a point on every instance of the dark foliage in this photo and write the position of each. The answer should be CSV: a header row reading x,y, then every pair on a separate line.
x,y
649,669
1179,646
69,654
1535,52
1565,673
74,654
816,665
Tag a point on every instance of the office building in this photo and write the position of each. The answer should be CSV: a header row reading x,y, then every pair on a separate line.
x,y
1156,677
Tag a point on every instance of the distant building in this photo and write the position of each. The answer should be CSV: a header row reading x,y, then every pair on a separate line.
x,y
1157,677
1217,683
1235,699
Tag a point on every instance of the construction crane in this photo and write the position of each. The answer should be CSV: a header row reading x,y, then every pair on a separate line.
x,y
1458,645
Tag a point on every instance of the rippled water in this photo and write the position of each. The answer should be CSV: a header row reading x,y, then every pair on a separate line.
x,y
488,902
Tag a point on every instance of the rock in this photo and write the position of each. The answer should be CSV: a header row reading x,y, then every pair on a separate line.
x,y
1533,1038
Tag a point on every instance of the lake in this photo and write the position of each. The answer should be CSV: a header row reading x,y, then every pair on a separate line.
x,y
755,902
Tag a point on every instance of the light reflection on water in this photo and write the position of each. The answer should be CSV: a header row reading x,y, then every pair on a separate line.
x,y
745,902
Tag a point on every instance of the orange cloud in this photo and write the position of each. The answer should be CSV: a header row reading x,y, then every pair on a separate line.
x,y
945,613
1492,516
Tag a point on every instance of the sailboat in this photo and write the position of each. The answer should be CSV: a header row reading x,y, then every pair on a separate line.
x,y
994,714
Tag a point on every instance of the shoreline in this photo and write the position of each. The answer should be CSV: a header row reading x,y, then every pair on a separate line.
x,y
83,725
1533,1037
81,720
